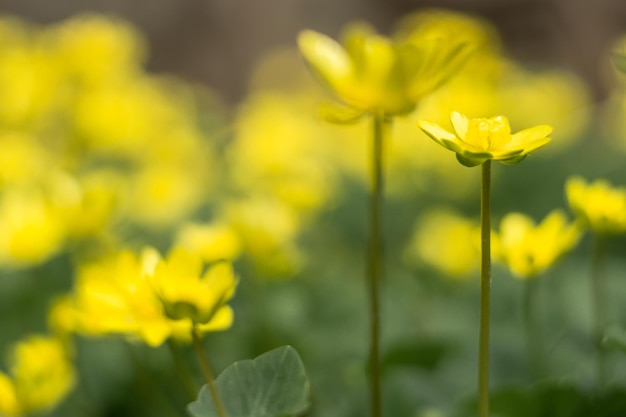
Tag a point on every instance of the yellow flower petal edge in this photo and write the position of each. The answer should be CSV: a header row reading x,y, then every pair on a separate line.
x,y
477,140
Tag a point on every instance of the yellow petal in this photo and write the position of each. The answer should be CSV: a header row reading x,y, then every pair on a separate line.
x,y
327,58
530,134
459,123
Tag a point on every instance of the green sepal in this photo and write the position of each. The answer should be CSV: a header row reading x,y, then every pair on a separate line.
x,y
467,161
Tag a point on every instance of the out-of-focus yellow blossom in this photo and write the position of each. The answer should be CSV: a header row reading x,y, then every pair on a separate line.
x,y
29,76
75,99
42,373
374,74
436,43
9,406
212,241
41,376
268,229
112,296
159,195
598,205
446,241
89,204
477,140
96,49
32,228
189,293
281,152
22,160
528,248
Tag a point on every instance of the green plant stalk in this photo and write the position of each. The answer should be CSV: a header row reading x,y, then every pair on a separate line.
x,y
533,337
485,289
181,369
375,261
598,306
206,371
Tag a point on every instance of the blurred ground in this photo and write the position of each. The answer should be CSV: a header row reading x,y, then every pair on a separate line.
x,y
217,42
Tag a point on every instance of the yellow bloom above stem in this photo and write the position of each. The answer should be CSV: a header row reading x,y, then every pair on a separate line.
x,y
371,73
477,140
598,205
528,248
188,293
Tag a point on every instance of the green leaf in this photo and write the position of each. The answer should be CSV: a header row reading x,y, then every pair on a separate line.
x,y
271,385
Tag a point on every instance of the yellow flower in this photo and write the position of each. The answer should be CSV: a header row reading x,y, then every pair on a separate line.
x,y
446,241
188,294
9,406
213,241
477,140
112,296
42,373
374,74
529,249
598,205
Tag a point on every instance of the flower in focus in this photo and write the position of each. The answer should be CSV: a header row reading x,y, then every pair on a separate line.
x,y
528,248
41,375
447,242
477,140
189,294
598,205
372,73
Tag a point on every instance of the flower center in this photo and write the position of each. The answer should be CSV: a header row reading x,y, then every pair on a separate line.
x,y
488,134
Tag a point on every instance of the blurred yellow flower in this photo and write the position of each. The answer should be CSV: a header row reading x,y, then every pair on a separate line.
x,y
268,229
598,205
446,241
96,49
212,241
374,74
42,375
33,230
112,296
477,140
528,248
9,406
189,294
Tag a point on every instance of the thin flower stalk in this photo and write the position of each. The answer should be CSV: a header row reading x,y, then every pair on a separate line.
x,y
598,307
206,371
375,259
485,290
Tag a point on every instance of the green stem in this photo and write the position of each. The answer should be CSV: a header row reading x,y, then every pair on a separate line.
x,y
598,307
181,369
374,270
533,338
206,371
485,284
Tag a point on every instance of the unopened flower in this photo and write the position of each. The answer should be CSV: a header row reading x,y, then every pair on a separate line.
x,y
528,248
598,205
477,140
